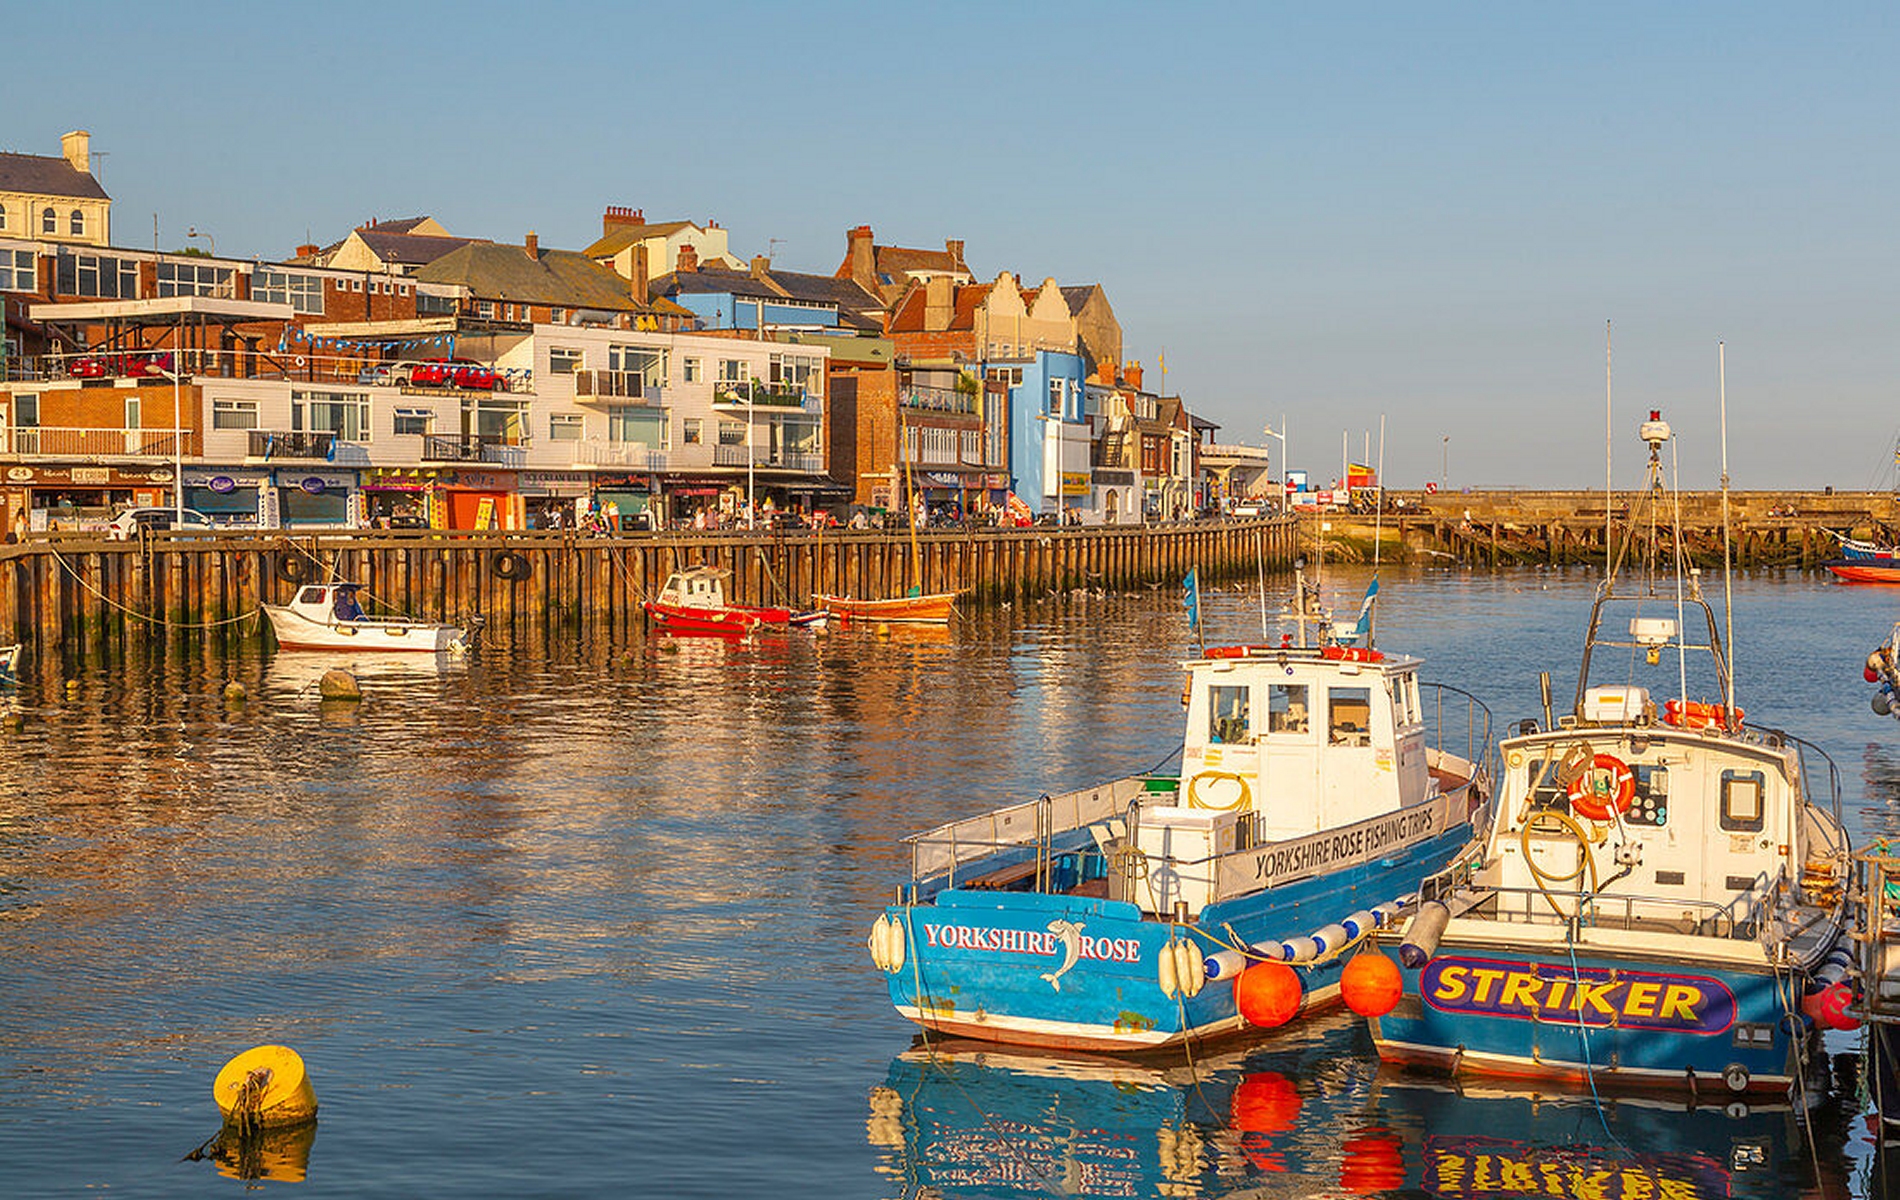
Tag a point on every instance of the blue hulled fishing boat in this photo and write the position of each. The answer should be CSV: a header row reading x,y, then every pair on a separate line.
x,y
1662,902
1319,786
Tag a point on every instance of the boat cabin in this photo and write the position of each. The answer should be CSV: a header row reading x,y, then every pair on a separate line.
x,y
695,587
327,603
1308,739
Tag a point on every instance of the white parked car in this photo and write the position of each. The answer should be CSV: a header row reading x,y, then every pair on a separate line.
x,y
126,526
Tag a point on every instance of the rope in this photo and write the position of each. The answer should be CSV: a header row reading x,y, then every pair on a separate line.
x,y
146,617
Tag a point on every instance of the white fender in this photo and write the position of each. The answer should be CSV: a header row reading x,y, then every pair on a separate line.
x,y
896,937
874,942
1169,976
1192,971
1225,964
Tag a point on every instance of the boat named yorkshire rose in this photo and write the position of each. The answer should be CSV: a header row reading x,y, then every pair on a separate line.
x,y
694,601
1152,910
1662,902
327,616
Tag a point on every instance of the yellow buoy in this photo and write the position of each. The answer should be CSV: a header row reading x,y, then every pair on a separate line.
x,y
263,1088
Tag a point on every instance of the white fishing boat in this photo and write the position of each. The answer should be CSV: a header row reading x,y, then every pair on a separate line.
x,y
1664,895
1319,786
327,616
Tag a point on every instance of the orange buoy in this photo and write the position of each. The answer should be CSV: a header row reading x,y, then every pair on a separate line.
x,y
1827,1008
1268,994
1265,1102
1371,985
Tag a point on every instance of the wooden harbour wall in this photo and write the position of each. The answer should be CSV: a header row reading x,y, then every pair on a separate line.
x,y
87,595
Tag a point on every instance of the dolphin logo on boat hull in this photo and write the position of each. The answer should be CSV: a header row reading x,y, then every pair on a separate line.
x,y
1071,934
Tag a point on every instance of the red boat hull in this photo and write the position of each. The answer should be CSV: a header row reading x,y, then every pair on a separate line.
x,y
1865,570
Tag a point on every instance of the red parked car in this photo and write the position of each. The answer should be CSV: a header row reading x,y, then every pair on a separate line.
x,y
133,366
454,372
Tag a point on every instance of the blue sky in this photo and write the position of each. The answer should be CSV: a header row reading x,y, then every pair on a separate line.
x,y
1425,213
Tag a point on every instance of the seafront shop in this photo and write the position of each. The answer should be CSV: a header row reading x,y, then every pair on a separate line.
x,y
229,496
74,497
625,500
307,499
548,496
441,498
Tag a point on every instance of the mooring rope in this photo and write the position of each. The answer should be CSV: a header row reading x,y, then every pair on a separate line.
x,y
146,617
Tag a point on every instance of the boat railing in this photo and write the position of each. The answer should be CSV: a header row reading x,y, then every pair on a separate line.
x,y
1741,919
1811,753
1456,717
1877,923
1030,826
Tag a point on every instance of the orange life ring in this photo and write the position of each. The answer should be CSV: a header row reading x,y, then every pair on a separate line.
x,y
1604,790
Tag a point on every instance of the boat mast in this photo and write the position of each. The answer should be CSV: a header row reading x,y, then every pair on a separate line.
x,y
1728,596
1609,442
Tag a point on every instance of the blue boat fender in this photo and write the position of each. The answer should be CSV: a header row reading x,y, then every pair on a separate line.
x,y
1835,968
1329,939
1421,936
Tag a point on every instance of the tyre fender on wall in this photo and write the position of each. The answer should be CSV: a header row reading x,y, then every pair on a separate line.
x,y
509,565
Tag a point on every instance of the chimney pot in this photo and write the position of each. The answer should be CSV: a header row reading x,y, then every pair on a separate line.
x,y
688,259
532,245
77,147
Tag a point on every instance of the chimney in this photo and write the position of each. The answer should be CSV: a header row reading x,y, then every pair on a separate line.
x,y
77,147
618,217
761,263
688,259
532,245
862,261
955,247
1131,375
307,250
637,281
939,303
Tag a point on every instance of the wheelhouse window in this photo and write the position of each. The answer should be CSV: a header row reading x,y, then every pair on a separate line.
x,y
1287,709
345,414
1349,716
1743,801
1227,719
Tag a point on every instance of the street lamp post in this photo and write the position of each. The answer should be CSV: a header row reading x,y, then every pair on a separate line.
x,y
1284,460
178,451
1444,467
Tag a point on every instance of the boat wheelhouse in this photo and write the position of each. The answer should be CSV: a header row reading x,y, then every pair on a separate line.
x,y
328,616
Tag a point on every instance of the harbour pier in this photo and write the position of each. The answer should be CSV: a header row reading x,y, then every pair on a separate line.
x,y
88,594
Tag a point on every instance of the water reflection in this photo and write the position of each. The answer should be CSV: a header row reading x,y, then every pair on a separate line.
x,y
1310,1113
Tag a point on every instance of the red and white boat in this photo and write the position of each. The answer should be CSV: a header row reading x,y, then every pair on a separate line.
x,y
694,601
326,616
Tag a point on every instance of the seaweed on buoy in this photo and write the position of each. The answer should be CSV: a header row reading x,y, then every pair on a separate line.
x,y
270,1116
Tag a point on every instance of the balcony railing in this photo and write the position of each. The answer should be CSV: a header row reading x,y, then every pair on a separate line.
x,y
630,386
275,444
46,441
636,456
472,448
938,399
737,456
757,393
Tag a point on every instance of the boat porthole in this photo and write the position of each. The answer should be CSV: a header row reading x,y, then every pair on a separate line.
x,y
1735,1075
508,565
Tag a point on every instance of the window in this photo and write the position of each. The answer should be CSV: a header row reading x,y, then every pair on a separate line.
x,y
693,370
637,424
563,362
49,222
193,279
558,315
802,371
1012,376
1227,715
1057,389
17,271
132,411
3,216
731,433
564,427
234,414
26,410
98,275
304,293
485,309
733,370
430,304
78,223
1350,710
1742,801
413,421
346,414
1286,708
356,285
689,429
341,285
644,362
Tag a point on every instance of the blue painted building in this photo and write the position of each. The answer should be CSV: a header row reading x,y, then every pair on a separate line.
x,y
785,300
1049,449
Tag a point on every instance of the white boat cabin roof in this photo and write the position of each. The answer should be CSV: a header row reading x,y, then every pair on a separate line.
x,y
696,585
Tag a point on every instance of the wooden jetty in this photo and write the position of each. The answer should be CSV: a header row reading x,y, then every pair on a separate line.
x,y
87,594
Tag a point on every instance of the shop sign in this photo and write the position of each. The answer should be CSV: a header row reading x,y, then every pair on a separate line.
x,y
223,485
1075,483
943,478
553,483
484,481
97,476
312,484
630,483
19,474
997,481
1114,478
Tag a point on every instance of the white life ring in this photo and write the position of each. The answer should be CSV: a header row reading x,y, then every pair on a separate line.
x,y
300,360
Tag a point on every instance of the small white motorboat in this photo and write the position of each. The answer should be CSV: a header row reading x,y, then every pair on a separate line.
x,y
326,616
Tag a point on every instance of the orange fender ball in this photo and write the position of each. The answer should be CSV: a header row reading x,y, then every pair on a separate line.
x,y
1371,985
1268,994
1265,1102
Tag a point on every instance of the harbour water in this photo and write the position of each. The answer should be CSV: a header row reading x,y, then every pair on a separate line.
x,y
580,919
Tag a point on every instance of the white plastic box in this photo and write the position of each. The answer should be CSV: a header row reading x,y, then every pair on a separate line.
x,y
1181,845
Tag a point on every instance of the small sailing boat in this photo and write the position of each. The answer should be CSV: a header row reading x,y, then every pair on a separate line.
x,y
935,609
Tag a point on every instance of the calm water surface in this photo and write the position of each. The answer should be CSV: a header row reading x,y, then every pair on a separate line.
x,y
580,919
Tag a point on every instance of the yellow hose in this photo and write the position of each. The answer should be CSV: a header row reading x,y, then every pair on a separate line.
x,y
1545,878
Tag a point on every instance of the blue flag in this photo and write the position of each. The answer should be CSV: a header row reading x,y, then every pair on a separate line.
x,y
1363,630
1192,600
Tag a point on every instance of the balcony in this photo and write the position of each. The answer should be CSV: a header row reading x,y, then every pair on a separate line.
x,y
635,456
46,441
276,445
938,399
494,449
760,394
630,387
762,458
